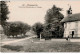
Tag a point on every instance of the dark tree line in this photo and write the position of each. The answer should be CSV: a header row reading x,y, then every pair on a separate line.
x,y
15,28
11,28
52,27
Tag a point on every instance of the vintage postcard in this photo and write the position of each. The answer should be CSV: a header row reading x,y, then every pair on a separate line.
x,y
40,26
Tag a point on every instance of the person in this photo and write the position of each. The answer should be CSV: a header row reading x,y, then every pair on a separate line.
x,y
68,38
72,33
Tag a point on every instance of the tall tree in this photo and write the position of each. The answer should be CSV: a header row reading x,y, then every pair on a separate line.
x,y
37,28
3,12
53,18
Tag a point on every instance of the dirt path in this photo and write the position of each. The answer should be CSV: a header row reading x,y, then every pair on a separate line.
x,y
14,41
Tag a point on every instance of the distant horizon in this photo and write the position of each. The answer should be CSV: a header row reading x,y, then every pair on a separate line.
x,y
31,12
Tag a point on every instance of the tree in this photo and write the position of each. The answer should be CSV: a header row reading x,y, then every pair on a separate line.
x,y
3,12
46,33
16,28
53,18
37,28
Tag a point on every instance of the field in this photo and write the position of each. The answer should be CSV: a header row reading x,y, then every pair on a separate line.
x,y
35,45
30,43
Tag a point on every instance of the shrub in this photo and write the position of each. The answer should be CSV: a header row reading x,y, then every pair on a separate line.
x,y
46,34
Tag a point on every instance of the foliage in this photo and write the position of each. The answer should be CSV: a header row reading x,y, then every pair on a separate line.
x,y
46,34
3,12
37,28
52,19
15,28
53,14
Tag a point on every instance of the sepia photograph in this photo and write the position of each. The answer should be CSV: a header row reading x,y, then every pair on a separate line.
x,y
40,26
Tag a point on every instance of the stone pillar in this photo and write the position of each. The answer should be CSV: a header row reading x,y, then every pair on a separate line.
x,y
40,36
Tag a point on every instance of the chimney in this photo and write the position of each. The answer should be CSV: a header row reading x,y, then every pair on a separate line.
x,y
69,12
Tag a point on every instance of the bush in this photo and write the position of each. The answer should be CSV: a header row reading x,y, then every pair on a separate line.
x,y
46,35
48,32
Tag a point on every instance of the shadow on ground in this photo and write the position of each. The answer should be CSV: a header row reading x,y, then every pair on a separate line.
x,y
13,48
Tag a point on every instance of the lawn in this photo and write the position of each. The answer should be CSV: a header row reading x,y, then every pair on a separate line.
x,y
41,46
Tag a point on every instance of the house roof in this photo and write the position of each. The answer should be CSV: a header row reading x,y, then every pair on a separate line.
x,y
71,18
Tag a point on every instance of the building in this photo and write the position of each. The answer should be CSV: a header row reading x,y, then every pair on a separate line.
x,y
71,24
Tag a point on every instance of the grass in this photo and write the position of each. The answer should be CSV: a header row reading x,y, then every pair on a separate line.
x,y
42,46
52,47
2,36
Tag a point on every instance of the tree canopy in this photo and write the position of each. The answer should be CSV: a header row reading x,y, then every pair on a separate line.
x,y
3,11
37,28
16,28
54,15
52,20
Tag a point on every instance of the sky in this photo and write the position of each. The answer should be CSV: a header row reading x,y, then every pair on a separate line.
x,y
23,11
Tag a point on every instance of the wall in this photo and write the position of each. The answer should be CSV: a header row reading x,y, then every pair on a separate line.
x,y
78,28
72,26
